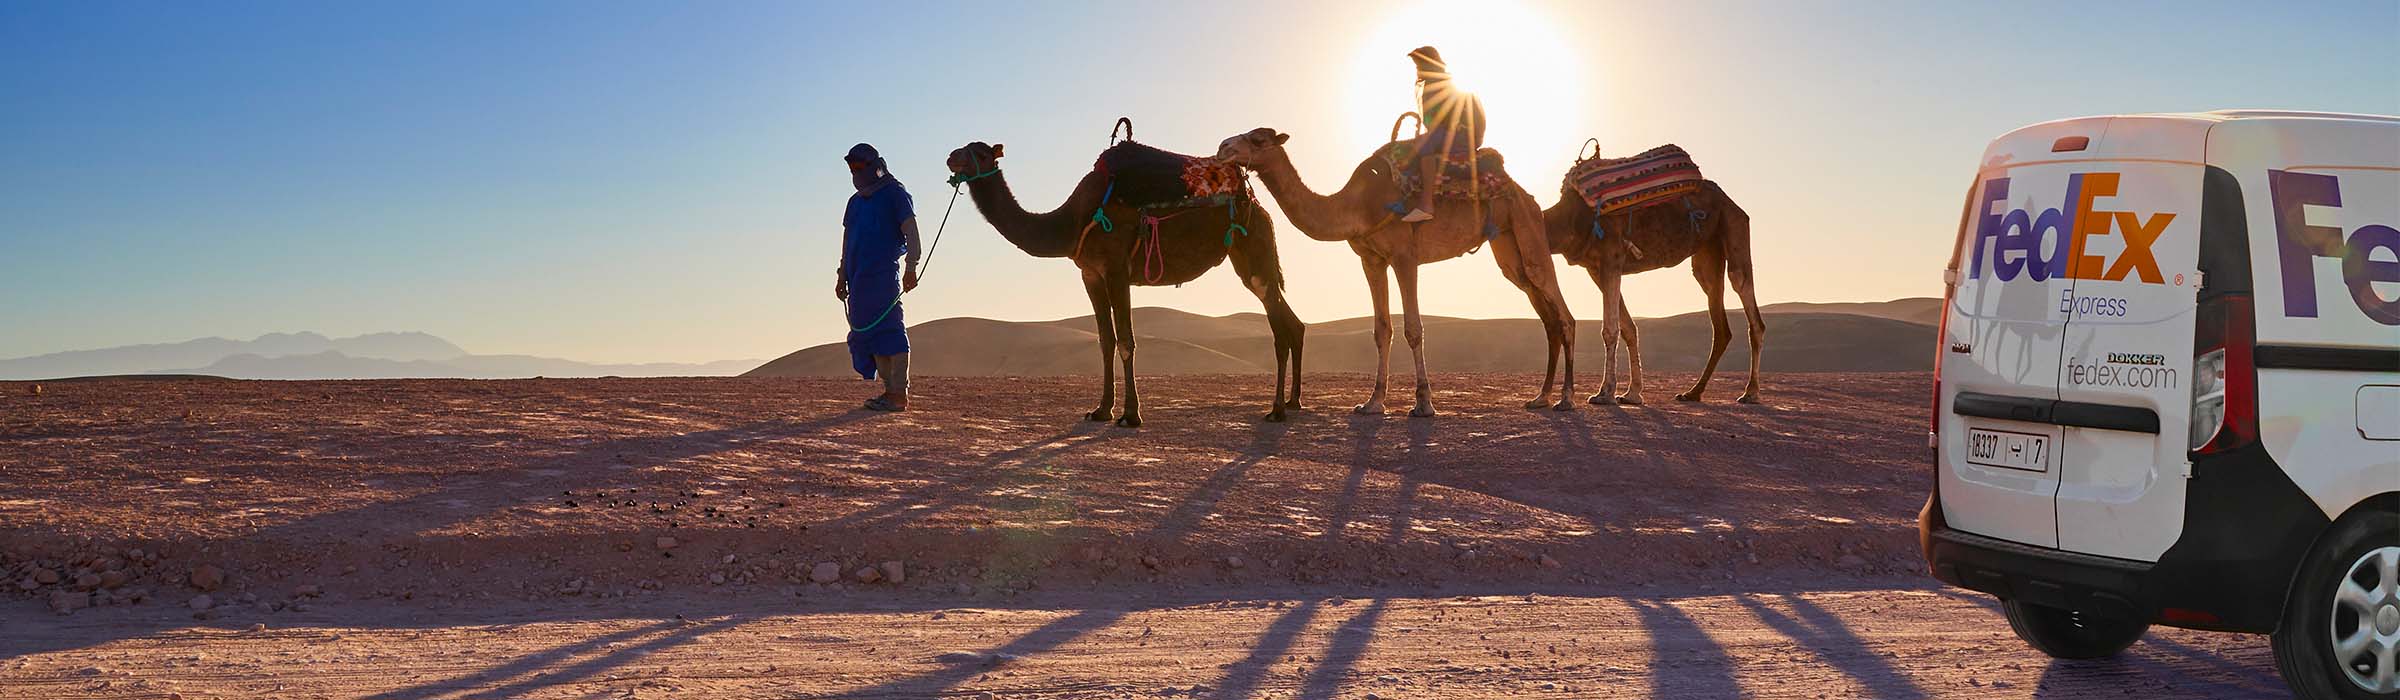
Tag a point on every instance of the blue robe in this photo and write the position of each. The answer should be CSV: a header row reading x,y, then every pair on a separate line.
x,y
872,247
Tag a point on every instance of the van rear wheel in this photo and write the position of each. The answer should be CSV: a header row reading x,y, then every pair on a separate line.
x,y
2342,623
2068,634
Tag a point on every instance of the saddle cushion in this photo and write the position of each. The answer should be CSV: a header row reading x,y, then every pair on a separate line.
x,y
1484,176
1142,176
1612,185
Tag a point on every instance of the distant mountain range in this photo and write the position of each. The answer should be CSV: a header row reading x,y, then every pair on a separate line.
x,y
313,356
1801,337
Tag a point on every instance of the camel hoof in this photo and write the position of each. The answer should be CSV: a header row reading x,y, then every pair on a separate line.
x,y
1275,416
1602,399
1688,396
1421,412
1537,404
1630,399
1368,409
1292,405
1563,405
1748,398
1130,421
1099,416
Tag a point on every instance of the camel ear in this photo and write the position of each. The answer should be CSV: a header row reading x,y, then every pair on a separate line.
x,y
998,149
1280,138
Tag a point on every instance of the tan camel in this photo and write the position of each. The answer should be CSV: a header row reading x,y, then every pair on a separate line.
x,y
1358,215
1187,243
1705,226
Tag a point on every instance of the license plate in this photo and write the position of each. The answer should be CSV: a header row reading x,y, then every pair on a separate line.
x,y
2007,450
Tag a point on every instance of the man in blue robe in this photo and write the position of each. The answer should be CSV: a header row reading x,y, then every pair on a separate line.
x,y
879,228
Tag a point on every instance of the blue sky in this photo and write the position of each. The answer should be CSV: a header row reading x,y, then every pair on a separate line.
x,y
661,181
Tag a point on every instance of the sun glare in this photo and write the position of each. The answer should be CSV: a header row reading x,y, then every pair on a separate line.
x,y
1504,52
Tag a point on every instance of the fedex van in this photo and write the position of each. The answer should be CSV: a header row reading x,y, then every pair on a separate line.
x,y
2167,388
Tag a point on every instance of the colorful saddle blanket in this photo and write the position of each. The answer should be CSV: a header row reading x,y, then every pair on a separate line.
x,y
1142,176
1484,177
1611,185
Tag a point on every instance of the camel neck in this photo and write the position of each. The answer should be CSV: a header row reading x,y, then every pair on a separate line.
x,y
1337,217
1049,234
1567,223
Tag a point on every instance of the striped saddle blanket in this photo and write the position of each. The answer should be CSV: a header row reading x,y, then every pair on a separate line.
x,y
1612,185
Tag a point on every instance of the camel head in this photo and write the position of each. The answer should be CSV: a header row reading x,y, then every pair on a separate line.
x,y
974,159
1249,149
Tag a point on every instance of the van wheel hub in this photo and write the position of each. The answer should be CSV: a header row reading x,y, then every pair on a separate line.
x,y
2365,625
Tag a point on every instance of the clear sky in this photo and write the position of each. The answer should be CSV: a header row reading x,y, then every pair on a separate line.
x,y
649,181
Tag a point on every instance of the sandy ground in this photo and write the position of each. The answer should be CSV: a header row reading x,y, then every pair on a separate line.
x,y
657,538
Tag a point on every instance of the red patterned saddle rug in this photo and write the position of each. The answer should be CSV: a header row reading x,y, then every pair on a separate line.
x,y
1612,185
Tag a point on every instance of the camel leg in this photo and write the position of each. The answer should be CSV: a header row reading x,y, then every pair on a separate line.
x,y
1633,351
1378,282
1524,258
1550,340
1709,267
1103,317
1737,255
1283,323
1120,293
1415,330
1608,334
1505,251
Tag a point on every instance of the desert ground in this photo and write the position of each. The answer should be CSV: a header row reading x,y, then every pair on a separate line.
x,y
760,538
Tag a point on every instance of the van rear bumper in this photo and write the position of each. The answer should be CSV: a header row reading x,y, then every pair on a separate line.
x,y
2246,530
2098,585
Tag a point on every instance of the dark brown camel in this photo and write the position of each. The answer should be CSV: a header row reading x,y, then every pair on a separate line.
x,y
1705,226
1189,242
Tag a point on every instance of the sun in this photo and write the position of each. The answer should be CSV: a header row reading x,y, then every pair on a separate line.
x,y
1504,52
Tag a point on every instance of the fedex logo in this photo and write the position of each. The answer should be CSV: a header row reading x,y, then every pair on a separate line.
x,y
2300,244
2015,237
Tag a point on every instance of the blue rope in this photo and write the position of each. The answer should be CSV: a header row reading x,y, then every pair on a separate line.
x,y
1100,215
1233,223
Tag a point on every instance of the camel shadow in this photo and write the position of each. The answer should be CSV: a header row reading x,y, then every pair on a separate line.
x,y
1831,640
1684,661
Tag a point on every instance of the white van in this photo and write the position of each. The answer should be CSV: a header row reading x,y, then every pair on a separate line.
x,y
2168,388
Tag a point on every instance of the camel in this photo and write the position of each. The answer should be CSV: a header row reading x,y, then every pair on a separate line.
x,y
1188,243
1358,215
1705,226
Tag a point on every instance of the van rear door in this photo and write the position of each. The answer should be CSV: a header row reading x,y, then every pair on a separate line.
x,y
2132,272
2004,330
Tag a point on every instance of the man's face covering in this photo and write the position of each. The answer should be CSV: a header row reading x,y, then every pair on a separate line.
x,y
865,174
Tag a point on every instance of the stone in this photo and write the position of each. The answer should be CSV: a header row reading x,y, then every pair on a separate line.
x,y
825,572
665,543
69,601
1850,561
716,578
1235,562
35,390
87,581
624,546
868,574
894,572
45,576
208,577
201,603
309,590
1150,561
1547,561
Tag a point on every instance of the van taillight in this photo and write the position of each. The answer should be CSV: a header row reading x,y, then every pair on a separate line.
x,y
2224,380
